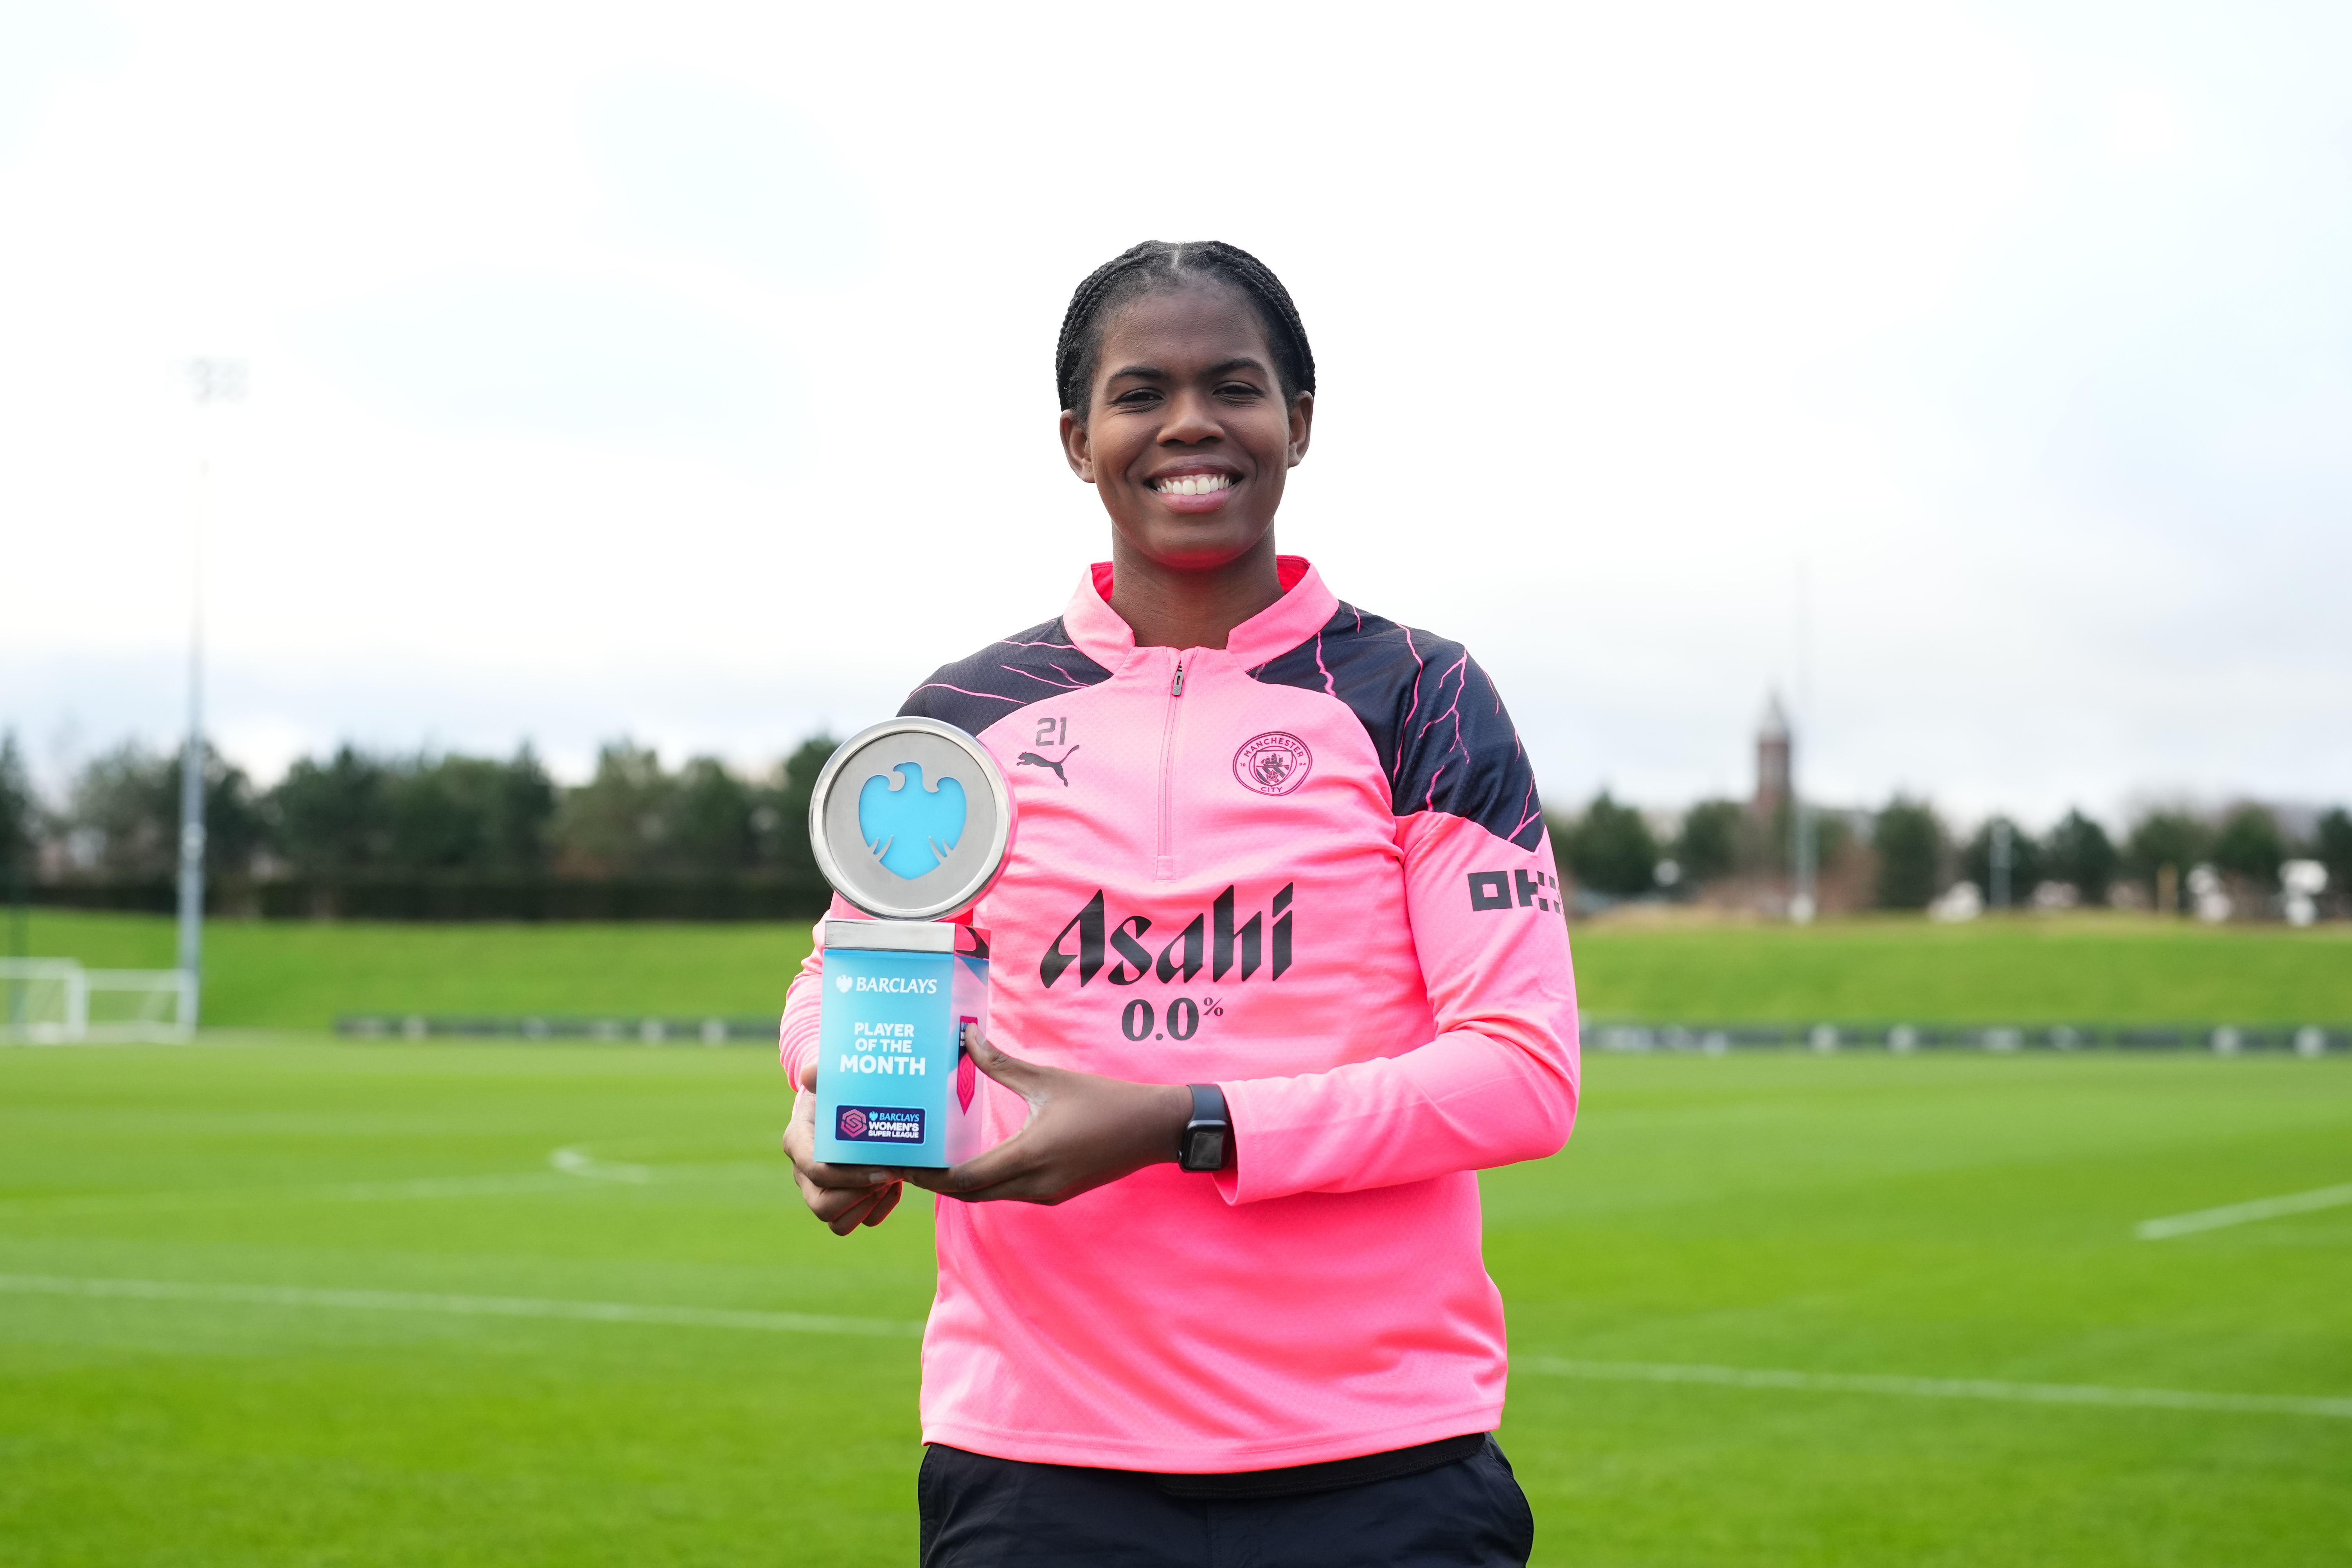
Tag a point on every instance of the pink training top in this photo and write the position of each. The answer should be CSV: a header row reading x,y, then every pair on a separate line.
x,y
1309,868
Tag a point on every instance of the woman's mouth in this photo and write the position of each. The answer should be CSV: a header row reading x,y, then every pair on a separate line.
x,y
1193,484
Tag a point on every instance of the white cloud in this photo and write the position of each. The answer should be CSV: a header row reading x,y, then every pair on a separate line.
x,y
713,167
605,366
552,353
2145,123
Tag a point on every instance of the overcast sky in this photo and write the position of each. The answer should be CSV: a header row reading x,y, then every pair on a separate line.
x,y
683,372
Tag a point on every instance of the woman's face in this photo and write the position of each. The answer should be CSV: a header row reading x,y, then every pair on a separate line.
x,y
1187,435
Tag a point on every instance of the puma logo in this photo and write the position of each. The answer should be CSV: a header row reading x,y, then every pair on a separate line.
x,y
1032,760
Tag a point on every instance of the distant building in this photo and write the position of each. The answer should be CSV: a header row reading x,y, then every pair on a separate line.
x,y
1773,760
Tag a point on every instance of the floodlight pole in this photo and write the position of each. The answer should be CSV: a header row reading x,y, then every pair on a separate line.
x,y
1801,904
213,381
19,896
192,818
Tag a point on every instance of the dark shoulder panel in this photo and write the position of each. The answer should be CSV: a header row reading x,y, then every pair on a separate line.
x,y
1434,717
1027,667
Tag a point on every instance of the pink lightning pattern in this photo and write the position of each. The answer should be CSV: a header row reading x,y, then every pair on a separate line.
x,y
1066,673
1442,754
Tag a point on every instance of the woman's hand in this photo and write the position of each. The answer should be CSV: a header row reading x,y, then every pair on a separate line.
x,y
843,1196
1082,1132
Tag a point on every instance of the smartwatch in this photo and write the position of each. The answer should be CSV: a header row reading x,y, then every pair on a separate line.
x,y
1207,1143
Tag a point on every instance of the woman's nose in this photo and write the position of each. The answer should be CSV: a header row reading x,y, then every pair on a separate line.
x,y
1190,419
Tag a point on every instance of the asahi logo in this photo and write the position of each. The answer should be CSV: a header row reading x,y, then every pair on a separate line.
x,y
1211,940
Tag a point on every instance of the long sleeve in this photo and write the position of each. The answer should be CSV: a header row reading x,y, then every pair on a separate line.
x,y
803,1000
1497,1085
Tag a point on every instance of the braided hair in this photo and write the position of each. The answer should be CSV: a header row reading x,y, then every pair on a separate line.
x,y
1157,264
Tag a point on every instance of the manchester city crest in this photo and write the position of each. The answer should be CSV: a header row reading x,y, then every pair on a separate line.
x,y
1273,763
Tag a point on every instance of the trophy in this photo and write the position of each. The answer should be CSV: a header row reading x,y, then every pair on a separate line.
x,y
912,822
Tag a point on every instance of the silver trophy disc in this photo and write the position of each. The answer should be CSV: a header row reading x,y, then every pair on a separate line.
x,y
910,820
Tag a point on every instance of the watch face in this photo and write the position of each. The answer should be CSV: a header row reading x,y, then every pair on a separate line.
x,y
1205,1149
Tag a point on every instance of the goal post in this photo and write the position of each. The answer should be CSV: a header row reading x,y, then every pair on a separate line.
x,y
56,1002
136,1004
43,1000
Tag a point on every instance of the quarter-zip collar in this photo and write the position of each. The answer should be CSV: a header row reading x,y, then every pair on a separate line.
x,y
1305,606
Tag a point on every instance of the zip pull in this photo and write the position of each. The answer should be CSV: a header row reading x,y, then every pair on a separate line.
x,y
1176,687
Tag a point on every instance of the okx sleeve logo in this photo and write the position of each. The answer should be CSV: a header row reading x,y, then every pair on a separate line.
x,y
910,828
1493,890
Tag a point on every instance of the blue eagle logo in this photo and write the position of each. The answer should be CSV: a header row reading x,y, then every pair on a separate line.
x,y
910,828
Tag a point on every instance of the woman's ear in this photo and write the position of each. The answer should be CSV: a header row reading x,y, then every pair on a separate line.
x,y
1302,425
1077,449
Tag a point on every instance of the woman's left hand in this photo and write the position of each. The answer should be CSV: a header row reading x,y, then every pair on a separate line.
x,y
1082,1132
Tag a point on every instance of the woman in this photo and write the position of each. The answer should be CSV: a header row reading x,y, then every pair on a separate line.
x,y
1282,896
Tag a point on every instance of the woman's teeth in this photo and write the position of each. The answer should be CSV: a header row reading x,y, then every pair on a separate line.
x,y
1196,484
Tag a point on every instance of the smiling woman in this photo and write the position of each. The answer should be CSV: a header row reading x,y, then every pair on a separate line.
x,y
1205,408
1215,1288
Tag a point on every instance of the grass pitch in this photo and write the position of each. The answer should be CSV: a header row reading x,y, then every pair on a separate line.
x,y
2086,968
350,1343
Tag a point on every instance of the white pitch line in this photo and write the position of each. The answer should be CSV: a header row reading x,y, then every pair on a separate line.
x,y
2243,1213
354,1192
880,1328
426,1187
565,1177
458,1306
580,1162
1938,1387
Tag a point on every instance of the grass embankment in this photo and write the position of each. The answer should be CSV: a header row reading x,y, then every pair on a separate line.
x,y
2088,968
301,975
1946,1218
2096,968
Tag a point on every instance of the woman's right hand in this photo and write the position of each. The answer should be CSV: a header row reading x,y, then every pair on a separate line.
x,y
843,1196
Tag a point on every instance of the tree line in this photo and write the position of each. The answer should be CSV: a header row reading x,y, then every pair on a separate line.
x,y
443,834
362,825
1902,855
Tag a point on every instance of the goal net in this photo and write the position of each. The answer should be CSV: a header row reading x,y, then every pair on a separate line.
x,y
56,1002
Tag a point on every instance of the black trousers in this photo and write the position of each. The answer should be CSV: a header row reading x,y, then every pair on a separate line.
x,y
981,1512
